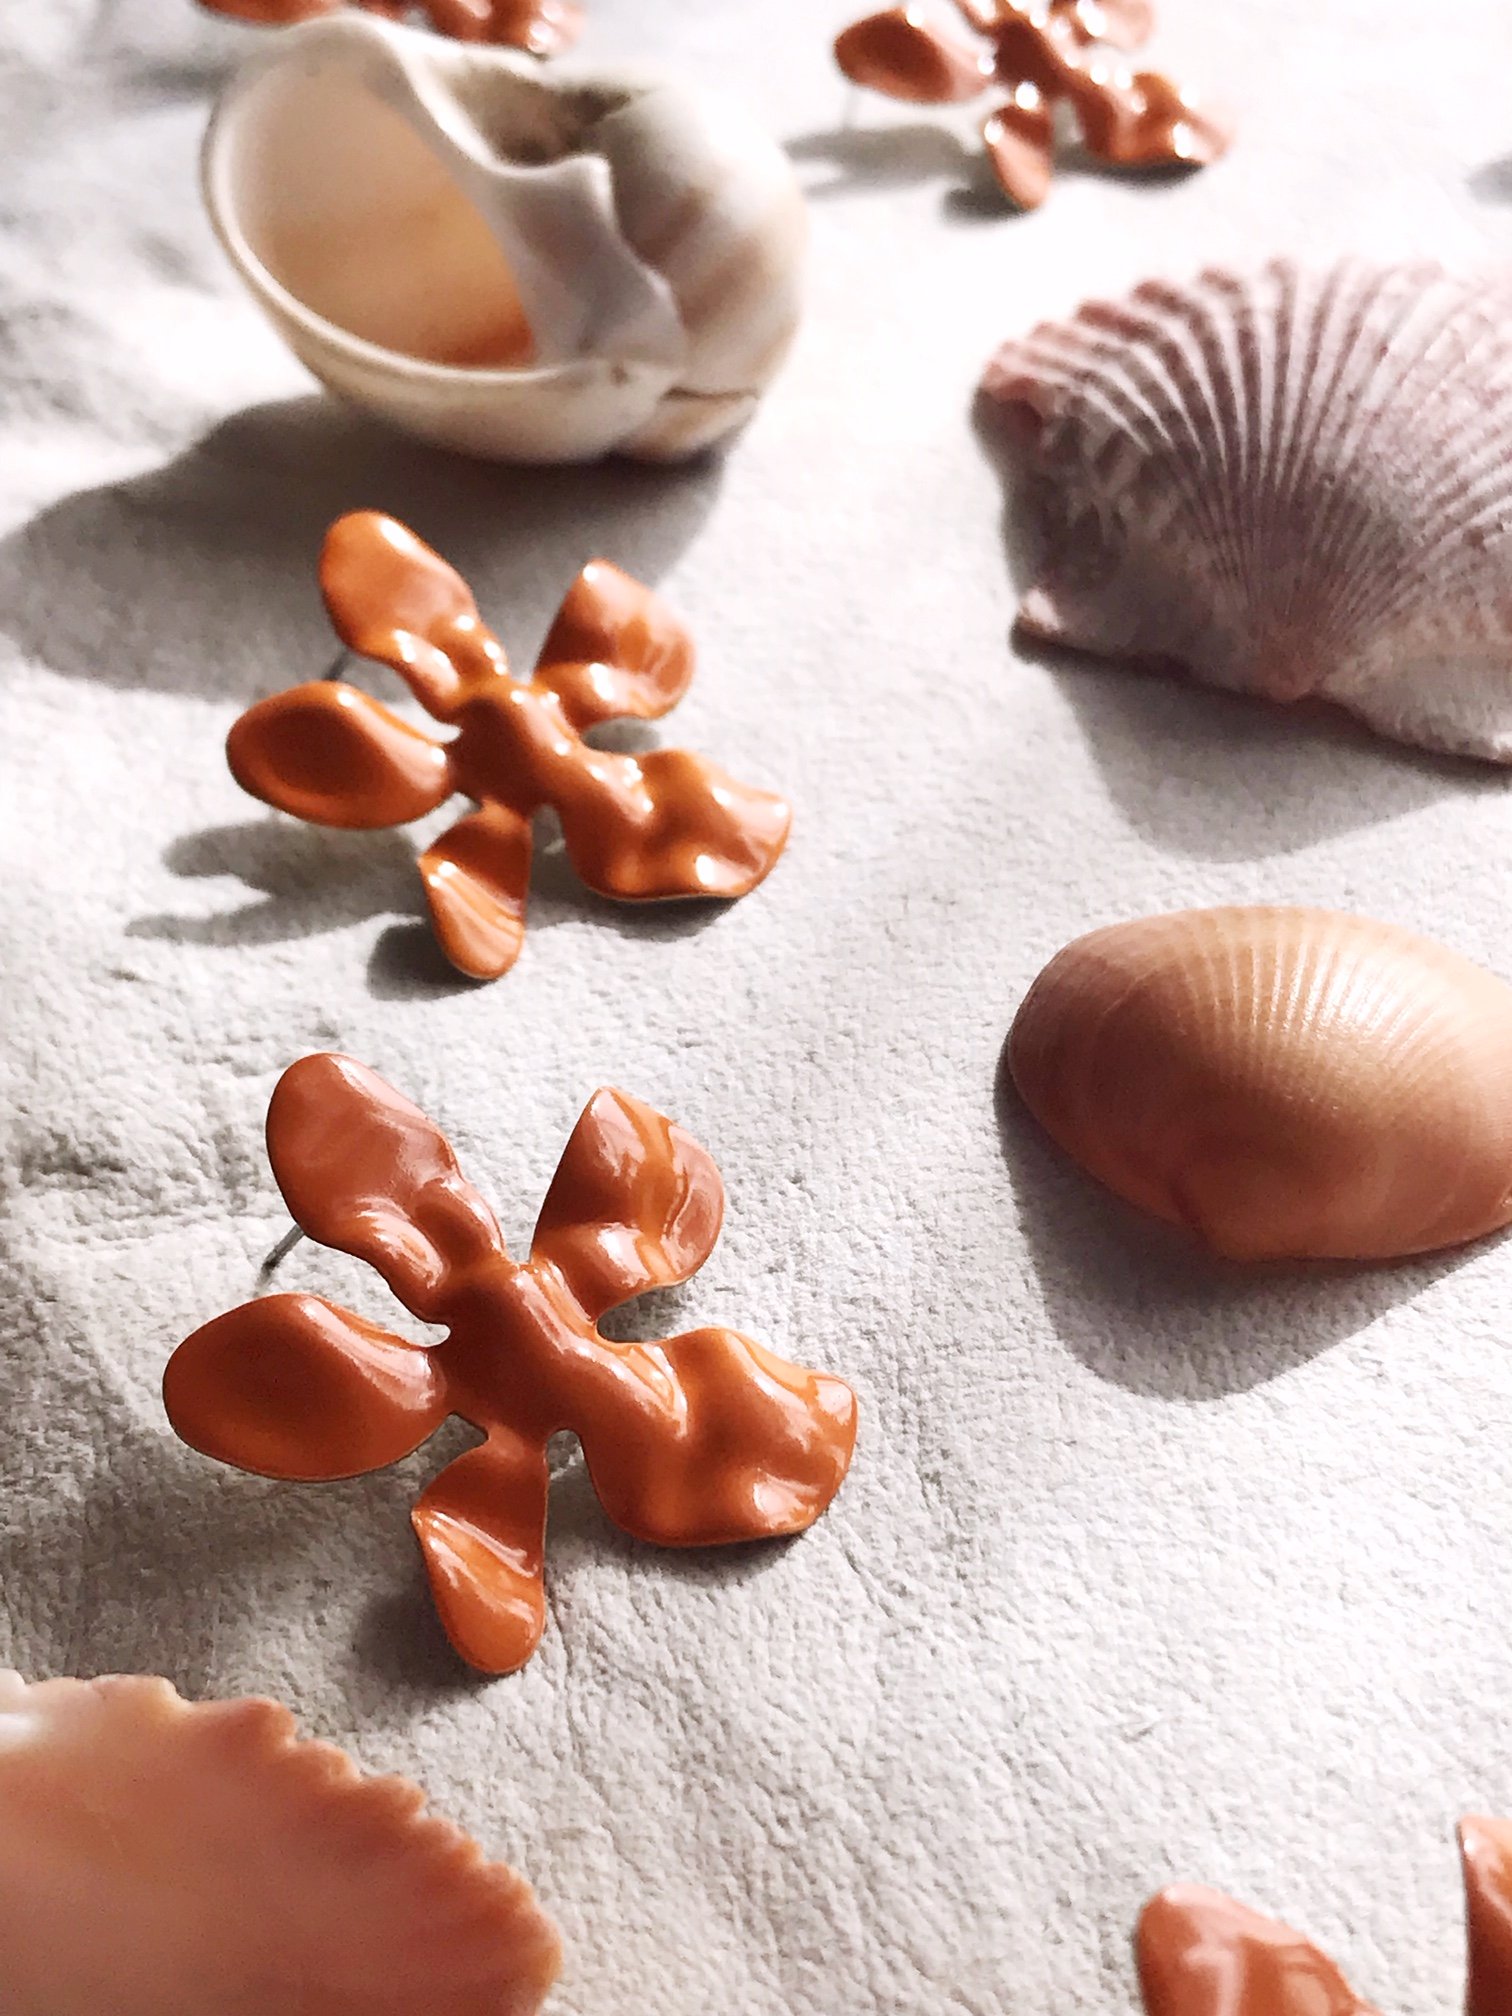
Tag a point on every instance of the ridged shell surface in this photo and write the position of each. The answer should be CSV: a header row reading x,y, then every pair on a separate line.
x,y
163,1858
1291,483
1285,1083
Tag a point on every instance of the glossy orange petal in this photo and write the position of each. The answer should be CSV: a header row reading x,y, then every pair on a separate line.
x,y
365,1171
1486,1856
1020,140
330,754
482,1530
899,53
292,1386
616,648
670,824
756,1447
391,598
1152,123
477,880
1201,1954
635,1203
1122,23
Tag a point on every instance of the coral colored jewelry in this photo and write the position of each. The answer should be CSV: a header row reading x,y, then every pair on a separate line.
x,y
691,1441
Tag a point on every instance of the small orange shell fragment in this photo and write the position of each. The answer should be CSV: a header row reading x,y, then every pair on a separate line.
x,y
1285,1083
1202,1954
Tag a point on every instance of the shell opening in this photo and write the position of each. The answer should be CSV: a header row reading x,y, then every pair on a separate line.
x,y
347,209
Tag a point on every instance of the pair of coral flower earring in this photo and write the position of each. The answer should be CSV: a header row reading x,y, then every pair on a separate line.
x,y
696,1440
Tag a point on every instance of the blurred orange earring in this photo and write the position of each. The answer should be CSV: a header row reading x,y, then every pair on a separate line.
x,y
1043,53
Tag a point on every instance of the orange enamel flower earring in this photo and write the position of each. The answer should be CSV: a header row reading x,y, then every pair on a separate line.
x,y
636,828
690,1441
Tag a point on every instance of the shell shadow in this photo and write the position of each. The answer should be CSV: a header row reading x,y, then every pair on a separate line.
x,y
1143,1307
1214,776
202,573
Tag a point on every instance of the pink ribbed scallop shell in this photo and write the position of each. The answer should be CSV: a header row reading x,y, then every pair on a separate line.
x,y
163,1859
1292,483
1286,1084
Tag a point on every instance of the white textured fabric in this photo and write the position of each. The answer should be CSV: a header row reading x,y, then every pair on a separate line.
x,y
1145,1570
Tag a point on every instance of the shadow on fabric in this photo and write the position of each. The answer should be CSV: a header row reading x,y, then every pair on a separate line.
x,y
1491,182
864,159
314,879
1142,1306
400,1640
199,578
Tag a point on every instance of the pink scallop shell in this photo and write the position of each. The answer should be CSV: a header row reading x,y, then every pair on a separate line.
x,y
1294,483
164,1859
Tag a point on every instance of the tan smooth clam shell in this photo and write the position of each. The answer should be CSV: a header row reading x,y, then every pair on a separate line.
x,y
159,1858
1285,1083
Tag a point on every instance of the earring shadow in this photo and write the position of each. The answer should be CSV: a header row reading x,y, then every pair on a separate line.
x,y
879,158
311,879
1142,1306
317,879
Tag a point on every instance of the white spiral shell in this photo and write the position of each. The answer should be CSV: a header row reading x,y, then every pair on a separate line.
x,y
1295,483
530,262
